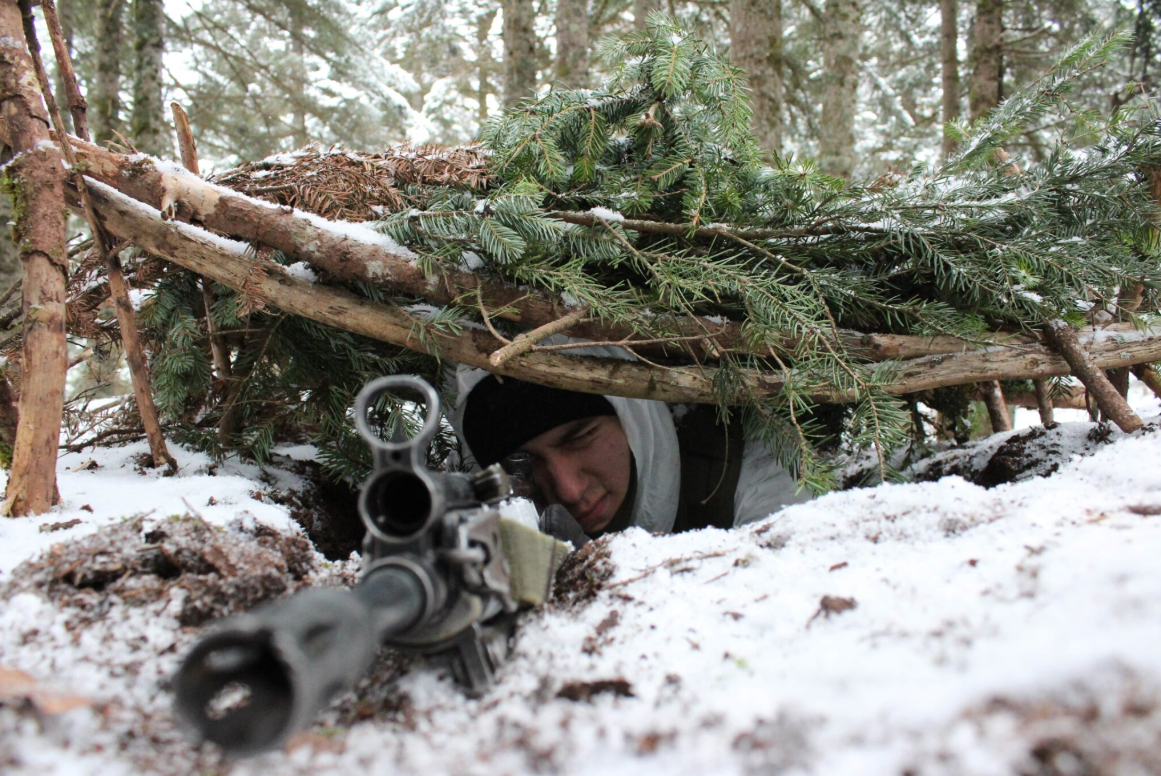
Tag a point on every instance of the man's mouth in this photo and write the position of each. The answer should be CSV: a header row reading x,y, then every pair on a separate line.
x,y
592,516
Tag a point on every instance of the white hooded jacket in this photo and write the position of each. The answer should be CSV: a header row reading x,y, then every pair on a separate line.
x,y
763,488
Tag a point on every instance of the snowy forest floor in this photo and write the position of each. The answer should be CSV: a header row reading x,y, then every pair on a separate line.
x,y
929,628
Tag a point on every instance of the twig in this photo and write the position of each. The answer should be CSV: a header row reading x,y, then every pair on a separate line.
x,y
488,319
523,343
134,352
12,289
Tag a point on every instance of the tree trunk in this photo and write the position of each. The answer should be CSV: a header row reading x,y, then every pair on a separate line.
x,y
842,30
641,11
1044,404
485,65
298,78
756,47
107,81
572,43
150,133
949,57
36,178
1148,374
986,57
519,51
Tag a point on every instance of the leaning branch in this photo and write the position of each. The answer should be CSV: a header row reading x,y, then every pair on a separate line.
x,y
118,289
1063,338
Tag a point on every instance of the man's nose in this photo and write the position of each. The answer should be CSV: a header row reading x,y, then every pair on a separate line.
x,y
568,480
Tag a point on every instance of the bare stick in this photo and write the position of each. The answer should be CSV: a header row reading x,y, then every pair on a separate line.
x,y
40,230
1043,402
78,107
185,139
118,288
1147,373
1113,406
219,353
524,342
993,398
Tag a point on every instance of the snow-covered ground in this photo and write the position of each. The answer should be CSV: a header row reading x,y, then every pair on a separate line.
x,y
935,628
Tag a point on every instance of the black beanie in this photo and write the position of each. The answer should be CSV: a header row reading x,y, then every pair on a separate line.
x,y
499,417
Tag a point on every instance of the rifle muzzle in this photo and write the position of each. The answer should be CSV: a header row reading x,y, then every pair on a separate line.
x,y
264,675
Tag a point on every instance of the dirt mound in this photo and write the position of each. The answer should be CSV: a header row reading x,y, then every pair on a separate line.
x,y
221,571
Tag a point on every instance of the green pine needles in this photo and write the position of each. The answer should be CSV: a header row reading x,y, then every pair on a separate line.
x,y
648,199
961,249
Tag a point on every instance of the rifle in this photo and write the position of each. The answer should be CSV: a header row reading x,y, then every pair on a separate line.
x,y
436,580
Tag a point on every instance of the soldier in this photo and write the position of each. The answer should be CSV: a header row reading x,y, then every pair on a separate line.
x,y
613,462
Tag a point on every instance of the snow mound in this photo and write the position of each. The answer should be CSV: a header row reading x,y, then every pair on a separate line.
x,y
936,628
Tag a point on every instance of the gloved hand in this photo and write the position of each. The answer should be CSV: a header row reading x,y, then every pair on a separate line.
x,y
559,524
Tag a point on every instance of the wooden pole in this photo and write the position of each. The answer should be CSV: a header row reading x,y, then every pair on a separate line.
x,y
118,288
1113,406
37,182
1044,403
993,397
78,107
219,352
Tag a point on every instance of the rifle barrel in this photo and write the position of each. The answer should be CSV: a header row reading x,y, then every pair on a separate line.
x,y
264,675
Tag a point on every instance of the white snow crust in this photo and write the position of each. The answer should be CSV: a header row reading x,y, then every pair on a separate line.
x,y
982,620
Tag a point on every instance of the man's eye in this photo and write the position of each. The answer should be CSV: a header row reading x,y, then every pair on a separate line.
x,y
584,436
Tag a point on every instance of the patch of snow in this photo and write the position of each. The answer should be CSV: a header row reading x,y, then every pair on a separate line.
x,y
471,261
605,214
302,271
937,628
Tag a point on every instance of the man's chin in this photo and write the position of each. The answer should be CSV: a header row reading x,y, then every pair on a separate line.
x,y
597,517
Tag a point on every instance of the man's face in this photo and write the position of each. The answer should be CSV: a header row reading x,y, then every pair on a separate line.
x,y
584,466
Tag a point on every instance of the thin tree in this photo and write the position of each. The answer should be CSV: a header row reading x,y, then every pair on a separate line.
x,y
756,47
485,64
106,102
519,51
572,43
148,126
842,31
987,60
949,60
641,11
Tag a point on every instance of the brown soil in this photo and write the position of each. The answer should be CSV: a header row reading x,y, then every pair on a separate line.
x,y
138,562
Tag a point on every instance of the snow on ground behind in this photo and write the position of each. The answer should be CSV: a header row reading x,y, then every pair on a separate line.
x,y
964,631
